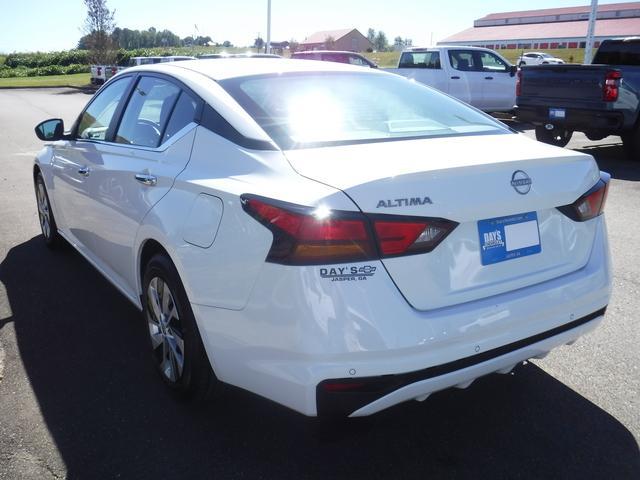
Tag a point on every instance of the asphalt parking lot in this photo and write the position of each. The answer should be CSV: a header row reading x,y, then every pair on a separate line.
x,y
80,399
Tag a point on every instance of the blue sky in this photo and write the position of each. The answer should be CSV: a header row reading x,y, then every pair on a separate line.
x,y
31,25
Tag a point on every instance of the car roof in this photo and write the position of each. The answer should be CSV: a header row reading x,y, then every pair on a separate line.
x,y
437,47
225,68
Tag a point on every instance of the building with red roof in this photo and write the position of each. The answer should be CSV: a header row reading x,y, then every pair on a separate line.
x,y
345,39
549,28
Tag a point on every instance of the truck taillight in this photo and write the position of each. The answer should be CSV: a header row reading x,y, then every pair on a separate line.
x,y
308,236
519,83
591,204
611,86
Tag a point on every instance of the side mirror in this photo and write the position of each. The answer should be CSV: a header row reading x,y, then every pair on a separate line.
x,y
512,70
50,130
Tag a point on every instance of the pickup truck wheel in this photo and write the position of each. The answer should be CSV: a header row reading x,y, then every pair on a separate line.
x,y
558,136
631,144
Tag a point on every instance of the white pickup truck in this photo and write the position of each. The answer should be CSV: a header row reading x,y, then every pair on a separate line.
x,y
475,75
102,73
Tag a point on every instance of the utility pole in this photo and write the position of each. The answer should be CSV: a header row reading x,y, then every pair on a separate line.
x,y
590,31
268,50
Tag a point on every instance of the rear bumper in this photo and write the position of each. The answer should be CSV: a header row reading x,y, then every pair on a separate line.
x,y
576,119
298,331
371,394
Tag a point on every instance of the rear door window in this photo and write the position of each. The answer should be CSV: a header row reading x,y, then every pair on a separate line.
x,y
183,114
618,53
335,57
465,60
420,60
355,60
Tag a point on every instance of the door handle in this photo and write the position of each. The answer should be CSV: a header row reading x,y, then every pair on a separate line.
x,y
146,179
488,78
84,171
455,78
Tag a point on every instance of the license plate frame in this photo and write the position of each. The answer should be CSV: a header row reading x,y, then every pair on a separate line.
x,y
557,113
510,237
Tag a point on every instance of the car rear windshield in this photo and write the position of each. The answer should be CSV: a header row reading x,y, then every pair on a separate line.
x,y
302,110
618,53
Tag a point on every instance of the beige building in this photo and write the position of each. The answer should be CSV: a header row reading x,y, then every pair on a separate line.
x,y
346,39
550,28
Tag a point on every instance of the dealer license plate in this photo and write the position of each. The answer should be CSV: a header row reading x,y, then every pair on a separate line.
x,y
506,238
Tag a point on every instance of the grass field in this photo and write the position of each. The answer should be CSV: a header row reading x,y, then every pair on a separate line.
x,y
74,80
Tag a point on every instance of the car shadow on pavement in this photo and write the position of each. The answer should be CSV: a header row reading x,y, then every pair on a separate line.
x,y
87,90
83,347
612,159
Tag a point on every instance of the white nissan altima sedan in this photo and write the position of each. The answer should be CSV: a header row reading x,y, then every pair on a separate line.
x,y
335,239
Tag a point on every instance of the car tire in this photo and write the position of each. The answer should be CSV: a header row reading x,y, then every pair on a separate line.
x,y
558,136
176,346
631,144
48,226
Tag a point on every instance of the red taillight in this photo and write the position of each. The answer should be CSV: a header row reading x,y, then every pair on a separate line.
x,y
611,85
99,69
402,237
591,204
303,236
519,83
113,70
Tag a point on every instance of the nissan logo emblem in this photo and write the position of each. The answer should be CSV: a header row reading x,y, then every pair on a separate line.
x,y
521,182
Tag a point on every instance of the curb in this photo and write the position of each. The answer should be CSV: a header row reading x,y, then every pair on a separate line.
x,y
88,88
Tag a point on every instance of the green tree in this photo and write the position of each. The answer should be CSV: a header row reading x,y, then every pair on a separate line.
x,y
227,44
371,35
98,27
258,43
330,43
380,42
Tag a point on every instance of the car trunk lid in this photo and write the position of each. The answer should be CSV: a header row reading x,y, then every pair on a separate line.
x,y
468,179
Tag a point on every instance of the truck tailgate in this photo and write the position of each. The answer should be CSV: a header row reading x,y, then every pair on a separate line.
x,y
563,84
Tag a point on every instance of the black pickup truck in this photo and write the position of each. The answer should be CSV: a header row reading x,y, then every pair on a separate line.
x,y
600,99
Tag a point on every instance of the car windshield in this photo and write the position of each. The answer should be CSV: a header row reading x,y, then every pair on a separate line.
x,y
301,110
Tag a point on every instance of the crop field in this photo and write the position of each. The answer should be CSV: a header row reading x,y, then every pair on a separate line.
x,y
73,80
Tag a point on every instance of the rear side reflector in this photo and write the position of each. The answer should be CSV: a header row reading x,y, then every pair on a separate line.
x,y
308,236
591,204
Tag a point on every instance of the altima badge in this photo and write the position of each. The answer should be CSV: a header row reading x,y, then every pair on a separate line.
x,y
521,182
404,202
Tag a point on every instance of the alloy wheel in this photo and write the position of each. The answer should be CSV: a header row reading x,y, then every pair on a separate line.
x,y
44,212
165,329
